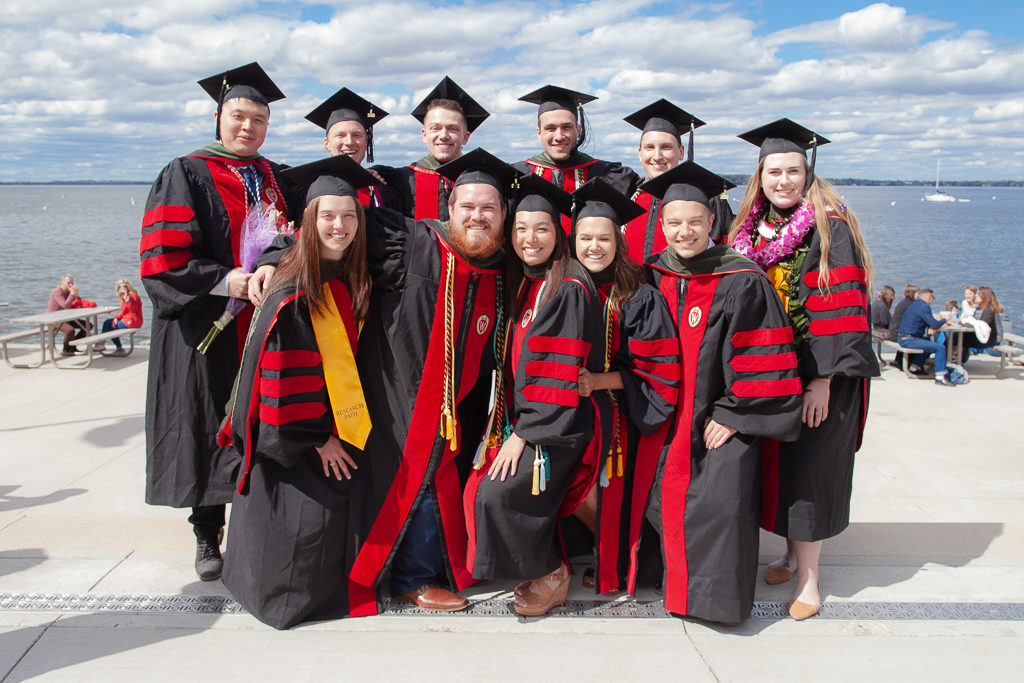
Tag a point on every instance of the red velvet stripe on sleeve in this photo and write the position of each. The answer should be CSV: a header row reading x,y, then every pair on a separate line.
x,y
569,347
164,238
654,347
846,323
666,391
837,300
287,386
770,387
279,360
765,337
667,372
281,415
159,264
558,397
568,372
851,273
764,362
169,214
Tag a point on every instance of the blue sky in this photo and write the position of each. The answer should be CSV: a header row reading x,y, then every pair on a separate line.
x,y
93,91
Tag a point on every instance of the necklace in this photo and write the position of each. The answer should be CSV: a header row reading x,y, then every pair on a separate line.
x,y
790,233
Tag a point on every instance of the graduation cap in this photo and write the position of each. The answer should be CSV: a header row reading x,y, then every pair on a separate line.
x,y
345,105
537,194
553,98
448,89
689,182
480,166
598,198
338,175
783,136
666,117
249,81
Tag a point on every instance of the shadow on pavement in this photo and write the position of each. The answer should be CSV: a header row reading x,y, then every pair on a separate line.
x,y
9,502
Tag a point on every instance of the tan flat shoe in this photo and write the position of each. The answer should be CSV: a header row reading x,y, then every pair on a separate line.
x,y
544,594
802,610
776,575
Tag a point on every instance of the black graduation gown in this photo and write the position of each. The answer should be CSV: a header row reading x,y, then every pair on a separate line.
x,y
578,169
294,532
380,194
808,482
402,357
514,533
190,240
738,368
420,192
644,349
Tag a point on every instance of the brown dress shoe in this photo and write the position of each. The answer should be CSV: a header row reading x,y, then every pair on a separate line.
x,y
433,597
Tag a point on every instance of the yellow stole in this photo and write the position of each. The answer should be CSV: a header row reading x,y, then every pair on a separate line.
x,y
777,274
351,418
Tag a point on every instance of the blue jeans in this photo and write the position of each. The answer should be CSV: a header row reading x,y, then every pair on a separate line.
x,y
419,558
111,324
929,347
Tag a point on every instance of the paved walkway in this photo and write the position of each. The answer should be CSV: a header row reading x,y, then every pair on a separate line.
x,y
928,582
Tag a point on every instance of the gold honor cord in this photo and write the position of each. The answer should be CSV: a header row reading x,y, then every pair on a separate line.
x,y
615,447
351,417
449,426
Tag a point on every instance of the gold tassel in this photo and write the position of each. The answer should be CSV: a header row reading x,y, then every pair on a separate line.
x,y
449,425
537,462
608,467
618,449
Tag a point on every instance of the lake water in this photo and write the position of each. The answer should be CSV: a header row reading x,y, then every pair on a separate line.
x,y
92,232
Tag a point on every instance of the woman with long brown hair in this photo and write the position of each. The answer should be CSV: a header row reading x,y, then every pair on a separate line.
x,y
987,310
539,462
795,226
641,369
299,417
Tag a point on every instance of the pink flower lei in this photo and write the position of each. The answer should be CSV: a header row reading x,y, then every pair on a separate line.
x,y
792,235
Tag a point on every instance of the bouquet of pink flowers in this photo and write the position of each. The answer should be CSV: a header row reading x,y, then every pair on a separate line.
x,y
259,229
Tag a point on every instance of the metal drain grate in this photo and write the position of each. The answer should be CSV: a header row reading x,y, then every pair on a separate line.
x,y
502,607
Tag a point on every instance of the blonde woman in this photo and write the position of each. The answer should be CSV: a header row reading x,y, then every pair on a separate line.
x,y
795,226
130,315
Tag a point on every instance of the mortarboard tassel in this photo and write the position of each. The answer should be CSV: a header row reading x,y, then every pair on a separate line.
x,y
538,462
689,149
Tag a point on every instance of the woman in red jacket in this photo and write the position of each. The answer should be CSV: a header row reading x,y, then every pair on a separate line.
x,y
130,315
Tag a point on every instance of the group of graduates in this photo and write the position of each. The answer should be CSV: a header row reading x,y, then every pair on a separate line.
x,y
463,370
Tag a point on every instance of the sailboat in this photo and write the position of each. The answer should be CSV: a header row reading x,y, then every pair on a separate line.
x,y
938,195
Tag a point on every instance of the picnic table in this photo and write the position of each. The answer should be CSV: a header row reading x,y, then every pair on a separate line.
x,y
49,323
955,340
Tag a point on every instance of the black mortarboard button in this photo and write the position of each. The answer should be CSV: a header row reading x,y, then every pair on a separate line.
x,y
480,166
666,117
552,97
339,175
249,81
345,105
689,182
537,194
448,89
597,198
783,136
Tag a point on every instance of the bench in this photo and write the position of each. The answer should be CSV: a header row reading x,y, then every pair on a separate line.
x,y
24,334
89,342
906,355
1012,346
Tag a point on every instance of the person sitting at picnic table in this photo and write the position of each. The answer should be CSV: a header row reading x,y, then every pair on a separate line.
x,y
909,295
880,315
63,297
970,301
916,324
130,315
953,308
986,315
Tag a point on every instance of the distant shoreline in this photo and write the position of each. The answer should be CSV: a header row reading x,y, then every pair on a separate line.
x,y
738,179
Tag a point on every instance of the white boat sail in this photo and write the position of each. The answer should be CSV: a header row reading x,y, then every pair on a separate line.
x,y
938,195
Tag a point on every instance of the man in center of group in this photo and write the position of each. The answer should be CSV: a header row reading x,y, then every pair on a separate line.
x,y
449,116
427,353
561,128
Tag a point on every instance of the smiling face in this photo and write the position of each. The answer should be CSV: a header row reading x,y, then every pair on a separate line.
x,y
243,126
595,243
687,227
336,224
783,176
347,137
477,224
444,132
659,151
533,236
558,133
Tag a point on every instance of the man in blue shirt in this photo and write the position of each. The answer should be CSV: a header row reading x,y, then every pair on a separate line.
x,y
917,322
